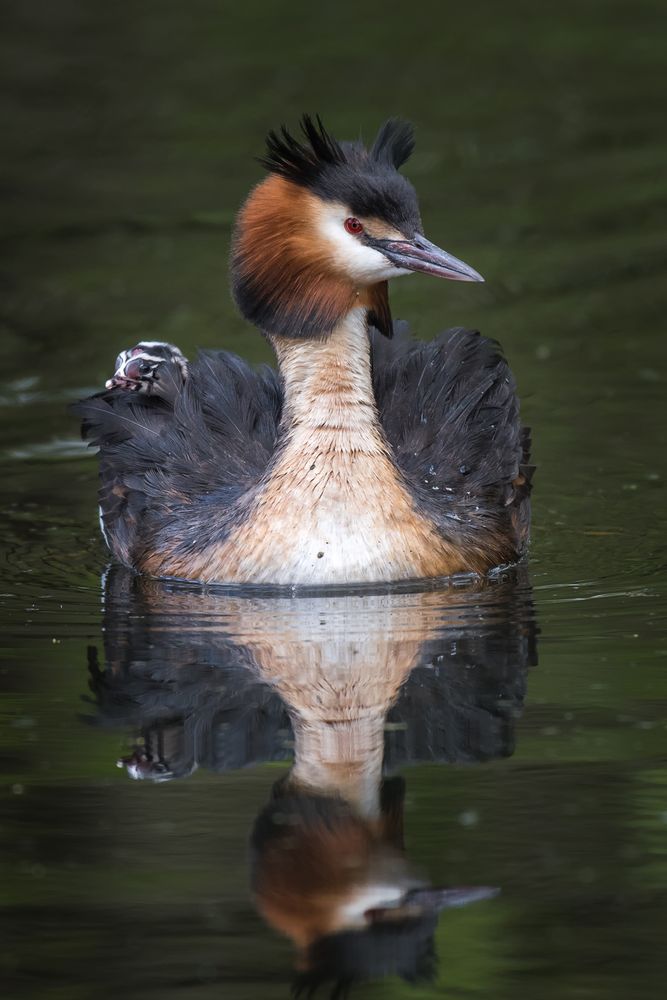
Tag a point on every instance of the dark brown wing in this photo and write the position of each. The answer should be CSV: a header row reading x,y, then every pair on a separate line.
x,y
450,412
170,463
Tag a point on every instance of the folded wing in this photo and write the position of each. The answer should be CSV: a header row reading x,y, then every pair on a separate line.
x,y
168,462
450,412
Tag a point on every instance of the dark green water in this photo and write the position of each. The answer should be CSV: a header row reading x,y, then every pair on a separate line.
x,y
129,132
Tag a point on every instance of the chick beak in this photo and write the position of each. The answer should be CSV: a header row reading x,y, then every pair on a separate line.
x,y
419,254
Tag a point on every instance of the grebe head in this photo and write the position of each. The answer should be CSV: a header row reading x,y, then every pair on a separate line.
x,y
138,369
330,223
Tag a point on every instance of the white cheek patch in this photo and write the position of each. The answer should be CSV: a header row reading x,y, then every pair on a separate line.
x,y
352,912
350,255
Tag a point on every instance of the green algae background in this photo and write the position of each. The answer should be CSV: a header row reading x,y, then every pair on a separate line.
x,y
129,133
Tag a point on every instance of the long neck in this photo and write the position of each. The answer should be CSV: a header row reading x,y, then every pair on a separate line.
x,y
341,757
329,400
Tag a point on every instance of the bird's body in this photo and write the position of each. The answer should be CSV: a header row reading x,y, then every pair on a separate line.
x,y
363,460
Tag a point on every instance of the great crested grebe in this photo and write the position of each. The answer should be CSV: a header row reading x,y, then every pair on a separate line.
x,y
361,460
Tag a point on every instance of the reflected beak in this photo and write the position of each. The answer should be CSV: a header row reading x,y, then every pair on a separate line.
x,y
419,254
443,899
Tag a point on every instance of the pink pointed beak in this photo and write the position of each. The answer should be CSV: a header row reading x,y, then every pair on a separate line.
x,y
419,254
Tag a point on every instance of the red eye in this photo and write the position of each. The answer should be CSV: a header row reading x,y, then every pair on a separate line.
x,y
353,226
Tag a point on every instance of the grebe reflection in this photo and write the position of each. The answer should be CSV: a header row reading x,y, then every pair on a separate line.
x,y
348,688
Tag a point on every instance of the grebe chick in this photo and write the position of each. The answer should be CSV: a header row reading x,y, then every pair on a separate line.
x,y
149,367
363,459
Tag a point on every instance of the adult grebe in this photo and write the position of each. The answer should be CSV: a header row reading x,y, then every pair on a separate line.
x,y
362,459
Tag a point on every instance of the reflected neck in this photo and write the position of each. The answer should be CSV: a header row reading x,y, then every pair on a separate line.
x,y
343,759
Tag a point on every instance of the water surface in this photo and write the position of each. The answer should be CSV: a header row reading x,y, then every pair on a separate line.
x,y
529,720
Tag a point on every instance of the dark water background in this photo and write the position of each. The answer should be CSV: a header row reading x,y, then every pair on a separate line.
x,y
129,132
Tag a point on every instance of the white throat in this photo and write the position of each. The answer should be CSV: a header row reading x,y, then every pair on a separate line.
x,y
329,401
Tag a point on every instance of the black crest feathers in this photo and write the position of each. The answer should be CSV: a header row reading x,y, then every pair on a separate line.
x,y
394,143
303,160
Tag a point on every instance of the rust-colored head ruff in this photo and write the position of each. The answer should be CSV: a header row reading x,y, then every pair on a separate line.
x,y
307,241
